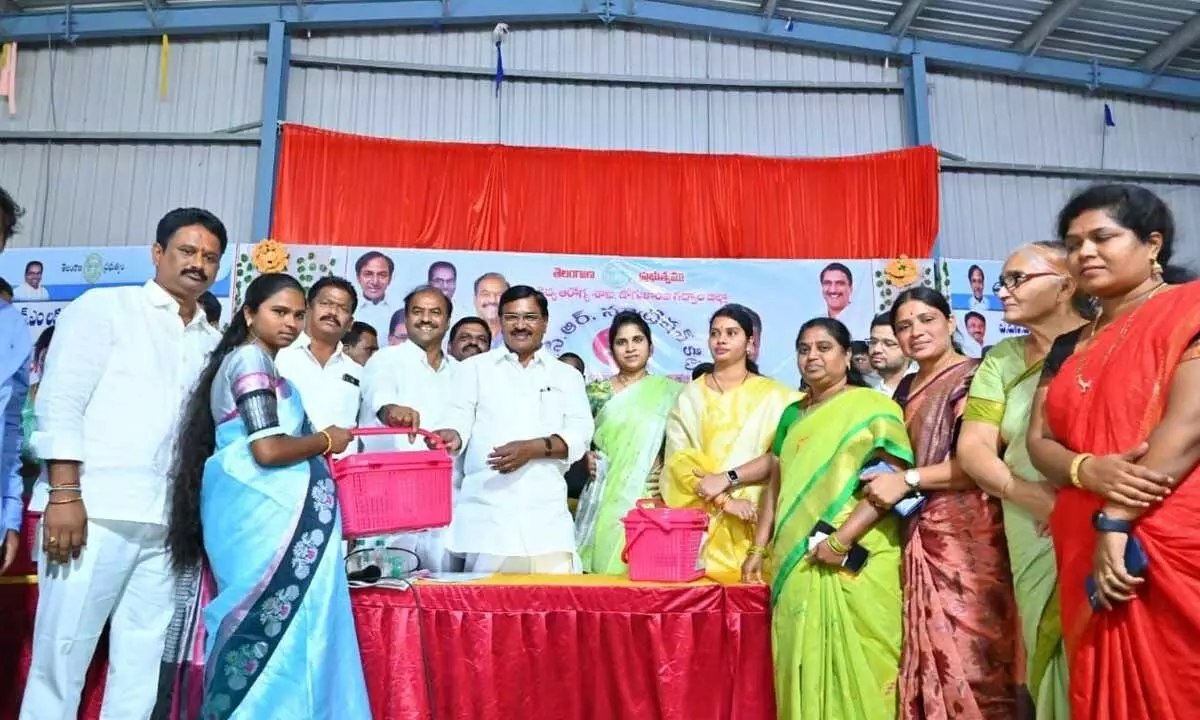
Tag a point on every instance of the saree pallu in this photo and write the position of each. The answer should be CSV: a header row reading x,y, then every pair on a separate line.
x,y
1142,658
630,428
1002,395
960,624
280,636
710,432
836,636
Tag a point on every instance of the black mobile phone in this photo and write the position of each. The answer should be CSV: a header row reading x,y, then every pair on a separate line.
x,y
856,559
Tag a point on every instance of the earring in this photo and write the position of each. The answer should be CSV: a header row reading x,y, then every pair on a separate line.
x,y
1156,268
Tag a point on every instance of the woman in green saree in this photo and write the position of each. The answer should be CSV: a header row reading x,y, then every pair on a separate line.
x,y
631,411
836,634
1038,294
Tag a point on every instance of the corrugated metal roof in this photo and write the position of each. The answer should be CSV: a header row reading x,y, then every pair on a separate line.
x,y
1118,32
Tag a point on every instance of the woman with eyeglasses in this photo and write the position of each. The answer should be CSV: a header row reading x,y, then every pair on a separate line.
x,y
959,614
1038,294
1117,425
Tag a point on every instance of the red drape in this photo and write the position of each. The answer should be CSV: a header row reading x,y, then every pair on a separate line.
x,y
340,189
495,652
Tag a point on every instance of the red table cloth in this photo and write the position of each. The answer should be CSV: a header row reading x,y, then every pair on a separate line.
x,y
582,648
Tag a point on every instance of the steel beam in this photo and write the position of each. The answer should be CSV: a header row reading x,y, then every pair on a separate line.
x,y
1165,52
67,137
916,102
274,112
1047,22
940,55
904,16
1058,171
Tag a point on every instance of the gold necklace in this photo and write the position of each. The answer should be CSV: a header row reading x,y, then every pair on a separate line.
x,y
1086,385
721,389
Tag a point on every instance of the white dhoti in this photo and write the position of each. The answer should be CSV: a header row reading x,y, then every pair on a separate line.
x,y
122,576
558,563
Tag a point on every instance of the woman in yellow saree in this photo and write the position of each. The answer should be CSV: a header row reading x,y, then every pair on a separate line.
x,y
631,411
724,420
1038,294
836,634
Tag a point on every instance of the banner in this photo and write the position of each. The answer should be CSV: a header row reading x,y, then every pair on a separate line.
x,y
676,297
45,280
976,305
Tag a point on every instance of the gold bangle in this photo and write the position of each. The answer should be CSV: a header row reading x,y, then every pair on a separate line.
x,y
66,488
758,550
1007,487
64,502
328,443
836,546
1075,465
721,501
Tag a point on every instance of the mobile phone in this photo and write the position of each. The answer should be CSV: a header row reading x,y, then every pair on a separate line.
x,y
854,561
1137,562
908,505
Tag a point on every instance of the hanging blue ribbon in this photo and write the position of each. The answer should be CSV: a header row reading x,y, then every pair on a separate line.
x,y
499,66
1109,119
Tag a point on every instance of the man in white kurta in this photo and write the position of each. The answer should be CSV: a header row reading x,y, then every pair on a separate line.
x,y
117,377
407,383
522,419
328,380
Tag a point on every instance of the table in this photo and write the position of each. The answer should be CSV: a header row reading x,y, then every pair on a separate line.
x,y
512,647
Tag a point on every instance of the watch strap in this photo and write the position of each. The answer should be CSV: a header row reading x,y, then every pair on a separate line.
x,y
549,446
1104,523
733,478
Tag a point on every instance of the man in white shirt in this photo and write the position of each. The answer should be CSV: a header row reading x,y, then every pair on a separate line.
x,y
31,289
409,385
316,363
469,337
887,359
522,419
977,281
123,363
374,272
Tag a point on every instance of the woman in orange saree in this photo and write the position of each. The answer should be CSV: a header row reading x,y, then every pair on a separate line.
x,y
1121,431
959,660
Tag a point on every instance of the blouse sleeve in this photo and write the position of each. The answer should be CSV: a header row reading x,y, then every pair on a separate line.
x,y
790,415
253,380
985,400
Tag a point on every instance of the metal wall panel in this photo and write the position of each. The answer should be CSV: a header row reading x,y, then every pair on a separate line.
x,y
114,194
91,195
211,85
679,119
987,216
998,120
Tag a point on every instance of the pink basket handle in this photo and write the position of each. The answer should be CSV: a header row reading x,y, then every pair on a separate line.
x,y
437,441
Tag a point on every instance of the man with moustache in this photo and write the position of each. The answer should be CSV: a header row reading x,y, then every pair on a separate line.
x,y
317,362
470,336
409,385
123,362
837,287
521,419
488,289
374,272
443,276
887,359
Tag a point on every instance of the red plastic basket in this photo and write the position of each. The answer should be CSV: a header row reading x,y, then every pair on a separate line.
x,y
394,491
663,544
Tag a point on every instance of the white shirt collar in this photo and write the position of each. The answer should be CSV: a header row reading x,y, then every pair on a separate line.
x,y
160,298
304,342
542,356
408,347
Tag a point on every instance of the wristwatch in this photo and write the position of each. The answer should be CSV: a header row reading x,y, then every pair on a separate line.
x,y
733,478
912,478
1104,523
549,446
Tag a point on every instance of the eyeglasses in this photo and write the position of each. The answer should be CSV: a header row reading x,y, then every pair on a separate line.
x,y
1012,281
512,318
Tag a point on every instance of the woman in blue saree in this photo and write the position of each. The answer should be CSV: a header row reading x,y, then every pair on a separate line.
x,y
254,505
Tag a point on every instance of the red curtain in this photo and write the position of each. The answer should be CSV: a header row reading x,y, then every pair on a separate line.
x,y
340,189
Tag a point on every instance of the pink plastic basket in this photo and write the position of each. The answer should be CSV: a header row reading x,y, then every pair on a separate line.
x,y
662,544
394,491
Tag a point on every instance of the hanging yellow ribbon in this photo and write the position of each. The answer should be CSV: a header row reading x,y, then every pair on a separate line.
x,y
163,57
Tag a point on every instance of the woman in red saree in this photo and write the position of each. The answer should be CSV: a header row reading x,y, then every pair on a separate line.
x,y
1121,432
959,660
